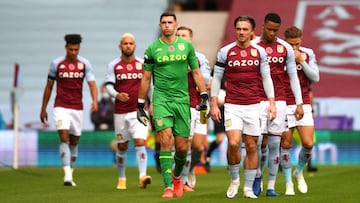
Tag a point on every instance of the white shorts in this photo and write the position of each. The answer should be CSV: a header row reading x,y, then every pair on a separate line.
x,y
195,125
276,126
243,117
68,119
127,126
307,119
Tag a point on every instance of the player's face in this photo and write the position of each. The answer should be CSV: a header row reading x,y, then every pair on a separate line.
x,y
72,50
244,31
270,31
168,25
184,34
294,42
127,46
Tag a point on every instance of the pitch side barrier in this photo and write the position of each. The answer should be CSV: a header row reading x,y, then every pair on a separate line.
x,y
40,148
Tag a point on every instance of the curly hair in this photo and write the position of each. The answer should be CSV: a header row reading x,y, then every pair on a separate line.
x,y
72,39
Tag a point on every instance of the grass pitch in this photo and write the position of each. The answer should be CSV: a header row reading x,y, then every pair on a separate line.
x,y
97,184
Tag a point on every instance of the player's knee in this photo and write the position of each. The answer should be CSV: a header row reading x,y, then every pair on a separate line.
x,y
308,145
286,144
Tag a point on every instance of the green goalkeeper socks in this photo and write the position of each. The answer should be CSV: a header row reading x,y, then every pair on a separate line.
x,y
166,167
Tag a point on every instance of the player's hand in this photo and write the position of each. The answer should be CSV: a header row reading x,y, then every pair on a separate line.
x,y
43,116
299,112
141,114
204,104
272,112
94,106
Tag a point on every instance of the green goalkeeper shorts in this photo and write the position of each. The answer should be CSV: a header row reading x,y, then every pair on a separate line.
x,y
173,115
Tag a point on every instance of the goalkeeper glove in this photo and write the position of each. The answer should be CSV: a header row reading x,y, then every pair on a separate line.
x,y
141,114
204,102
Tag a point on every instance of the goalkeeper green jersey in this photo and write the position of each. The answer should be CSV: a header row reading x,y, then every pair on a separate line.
x,y
169,64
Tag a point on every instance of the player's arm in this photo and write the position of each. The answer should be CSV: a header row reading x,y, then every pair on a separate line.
x,y
216,85
268,87
205,69
94,95
144,85
90,77
199,80
200,83
142,96
47,91
294,79
294,83
45,99
311,69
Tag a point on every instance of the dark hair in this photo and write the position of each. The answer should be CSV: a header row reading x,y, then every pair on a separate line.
x,y
186,28
168,14
273,17
292,32
245,18
72,39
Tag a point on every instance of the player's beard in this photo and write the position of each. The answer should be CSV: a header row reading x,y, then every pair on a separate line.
x,y
128,53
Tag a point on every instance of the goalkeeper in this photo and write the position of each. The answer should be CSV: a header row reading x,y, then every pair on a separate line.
x,y
167,60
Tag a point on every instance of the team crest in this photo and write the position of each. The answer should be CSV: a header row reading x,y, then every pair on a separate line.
x,y
59,123
138,66
159,122
280,48
171,48
80,66
119,137
303,56
181,46
253,52
228,123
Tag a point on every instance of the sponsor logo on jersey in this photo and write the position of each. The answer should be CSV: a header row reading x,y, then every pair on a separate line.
x,y
276,59
171,57
243,63
298,67
80,66
280,48
181,46
71,74
138,66
127,76
253,52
